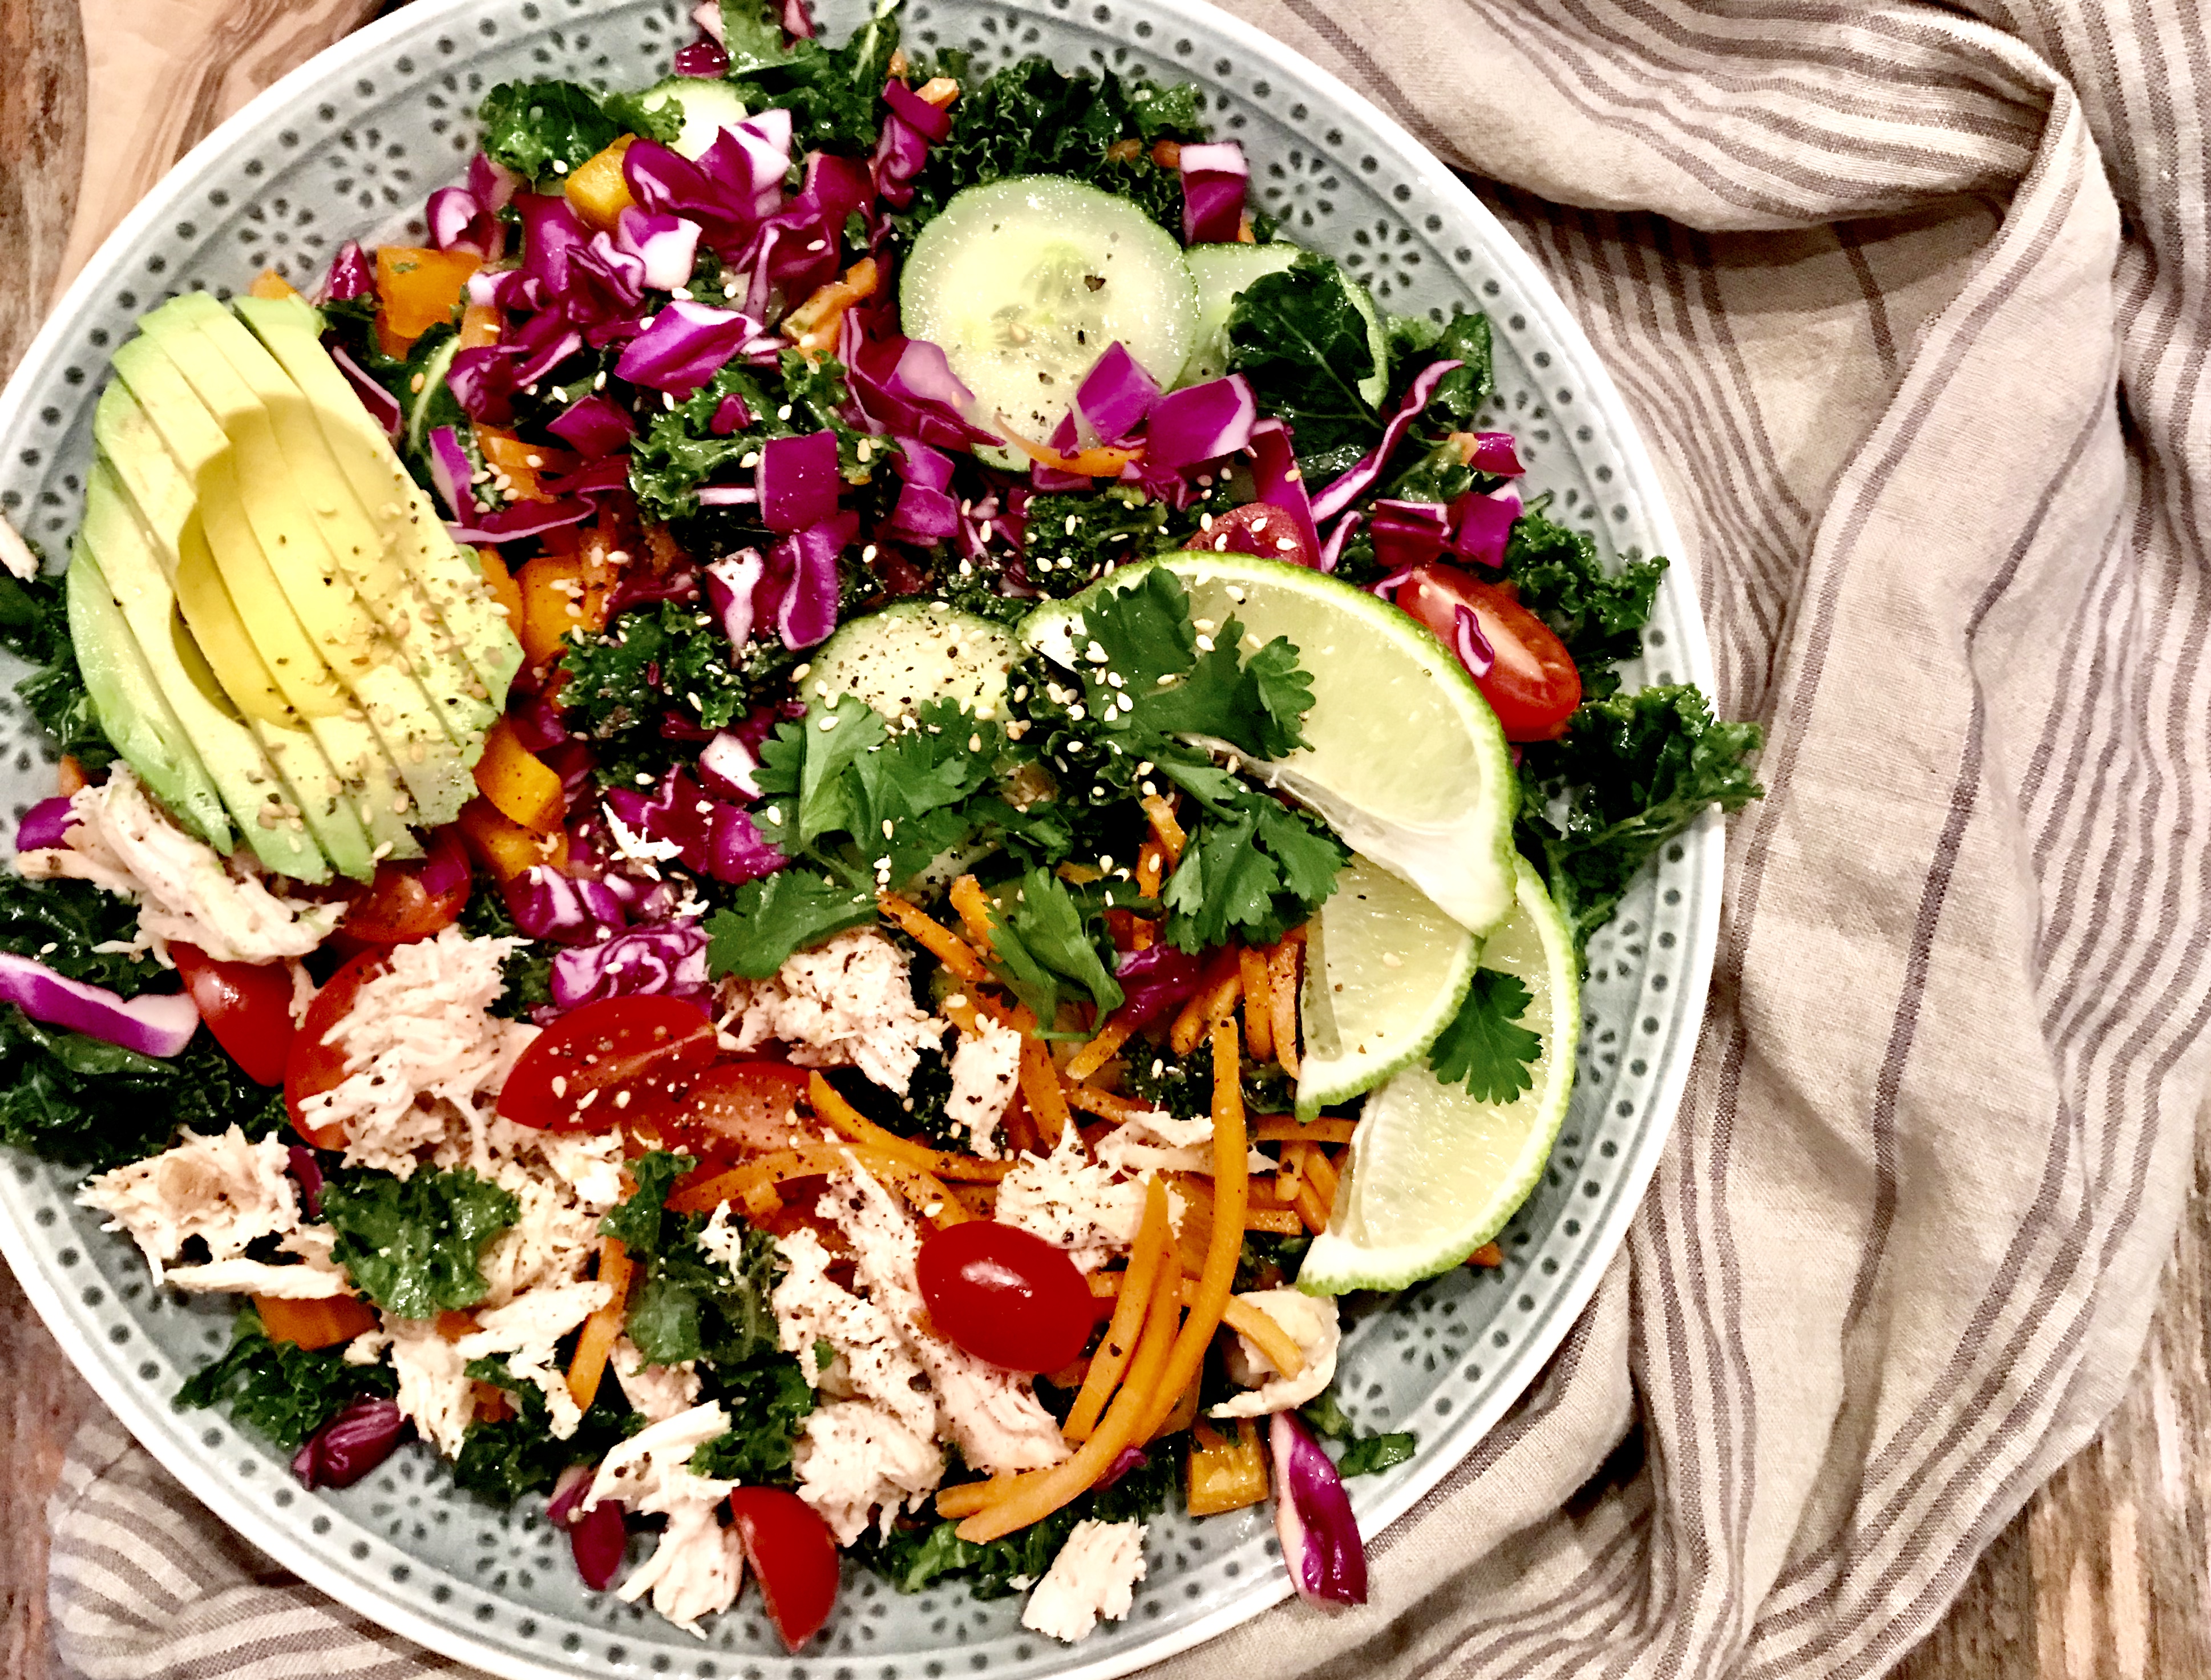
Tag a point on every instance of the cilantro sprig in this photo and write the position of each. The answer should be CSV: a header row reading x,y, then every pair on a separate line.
x,y
1485,1047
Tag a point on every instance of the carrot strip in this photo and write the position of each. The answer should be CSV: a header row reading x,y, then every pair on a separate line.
x,y
850,1122
1283,962
979,1199
965,1499
1106,1105
1232,1188
1151,868
1136,1290
973,905
1286,1129
1294,1168
1166,832
1040,1086
1021,1504
1258,1005
1257,1328
1322,1171
921,1188
1218,989
587,1366
1489,1254
319,1322
1311,1208
1101,1050
939,940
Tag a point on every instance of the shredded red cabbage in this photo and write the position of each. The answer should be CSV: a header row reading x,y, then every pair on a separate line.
x,y
593,426
349,1446
450,471
351,276
1321,1544
730,583
1472,647
705,58
1407,533
1484,525
668,960
1342,492
668,245
1155,979
160,1025
1497,453
307,1173
685,346
1201,423
730,416
799,481
726,765
45,824
802,580
1214,178
563,908
1331,551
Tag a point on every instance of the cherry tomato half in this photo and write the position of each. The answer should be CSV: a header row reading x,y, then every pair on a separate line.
x,y
1532,684
246,1005
1005,1295
313,1065
731,1110
568,1079
409,901
1257,528
794,1554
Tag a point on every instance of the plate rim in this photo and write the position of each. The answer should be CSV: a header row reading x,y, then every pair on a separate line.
x,y
1703,841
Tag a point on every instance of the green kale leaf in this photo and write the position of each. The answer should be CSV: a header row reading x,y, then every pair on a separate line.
x,y
531,126
830,92
1365,1453
1459,395
1068,541
684,1305
1182,1085
61,922
668,656
528,969
35,624
281,1391
769,1397
1485,1047
1631,773
411,1245
1301,341
503,1460
1599,618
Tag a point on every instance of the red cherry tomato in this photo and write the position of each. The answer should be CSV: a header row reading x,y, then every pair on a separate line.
x,y
314,1066
1005,1295
246,1005
1257,528
567,1081
1532,685
409,901
793,1556
731,1110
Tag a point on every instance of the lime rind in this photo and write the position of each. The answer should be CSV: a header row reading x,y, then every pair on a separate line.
x,y
1409,767
1385,971
1416,1198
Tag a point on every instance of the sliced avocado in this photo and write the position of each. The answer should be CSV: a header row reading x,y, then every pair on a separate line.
x,y
113,537
410,525
130,708
289,492
349,804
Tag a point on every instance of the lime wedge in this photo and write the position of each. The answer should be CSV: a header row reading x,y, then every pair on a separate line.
x,y
1404,758
1385,971
1433,1173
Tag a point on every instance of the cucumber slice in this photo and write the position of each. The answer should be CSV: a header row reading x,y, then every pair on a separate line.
x,y
898,660
708,105
1223,271
1025,283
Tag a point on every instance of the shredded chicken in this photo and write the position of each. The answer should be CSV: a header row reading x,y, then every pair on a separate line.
x,y
986,1069
1065,1198
222,1190
1310,1322
848,1003
1094,1577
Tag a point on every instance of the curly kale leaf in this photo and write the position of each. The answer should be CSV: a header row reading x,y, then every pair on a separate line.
x,y
531,126
684,1305
830,92
1182,1085
1300,339
411,1245
769,1397
667,655
502,1459
35,624
281,1391
1068,541
1599,616
62,923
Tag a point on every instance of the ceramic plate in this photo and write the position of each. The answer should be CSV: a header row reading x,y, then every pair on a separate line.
x,y
350,146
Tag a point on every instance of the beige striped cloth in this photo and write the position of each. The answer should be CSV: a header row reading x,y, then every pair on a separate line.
x,y
1911,305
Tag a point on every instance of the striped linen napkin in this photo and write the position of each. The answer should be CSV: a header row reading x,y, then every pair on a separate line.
x,y
1910,307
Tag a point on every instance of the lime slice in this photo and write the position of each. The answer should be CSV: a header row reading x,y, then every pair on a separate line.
x,y
1404,758
1433,1173
1385,971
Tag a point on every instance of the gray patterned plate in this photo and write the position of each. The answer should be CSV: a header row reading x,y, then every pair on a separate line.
x,y
349,146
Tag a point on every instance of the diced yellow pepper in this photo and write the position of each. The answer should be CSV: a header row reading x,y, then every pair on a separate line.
x,y
1224,1473
596,188
521,784
505,847
271,285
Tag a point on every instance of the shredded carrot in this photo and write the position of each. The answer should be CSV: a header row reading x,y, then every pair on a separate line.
x,y
1166,832
68,776
939,91
926,1194
813,326
1283,962
1322,1171
1218,989
940,942
1181,1415
1489,1254
979,1199
1106,1105
965,1499
973,905
587,1366
1134,1290
1255,1326
850,1122
1232,1188
1041,1088
321,1322
453,1324
1258,1004
1104,461
1287,1129
1280,1221
1019,1505
1151,868
1101,1050
1312,1206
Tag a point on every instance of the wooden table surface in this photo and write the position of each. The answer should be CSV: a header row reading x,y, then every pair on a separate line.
x,y
2106,1574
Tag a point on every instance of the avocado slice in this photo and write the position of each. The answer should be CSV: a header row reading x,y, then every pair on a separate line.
x,y
128,704
113,537
349,804
286,488
447,572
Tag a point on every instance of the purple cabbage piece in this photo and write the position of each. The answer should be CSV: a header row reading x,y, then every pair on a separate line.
x,y
563,908
1280,483
1332,550
596,1540
1472,647
640,585
1214,179
797,251
907,387
741,852
802,576
727,495
1114,396
349,1446
1201,423
705,58
568,1490
1496,451
450,471
45,824
931,468
605,288
458,220
731,583
551,233
1127,1458
799,481
668,960
728,190
1484,525
926,516
727,765
593,426
381,405
1343,491
481,380
684,346
1321,1545
598,479
901,154
1155,979
1407,533
491,184
667,245
536,723
797,22
672,813
307,1172
351,276
523,518
731,417
159,1025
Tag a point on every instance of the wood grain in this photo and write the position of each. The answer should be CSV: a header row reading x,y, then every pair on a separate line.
x,y
2102,1576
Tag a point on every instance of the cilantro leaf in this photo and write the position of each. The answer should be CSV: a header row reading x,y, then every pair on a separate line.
x,y
1299,339
834,737
1249,874
281,1391
1631,773
1364,1453
765,920
1044,950
1598,616
411,1245
1485,1047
